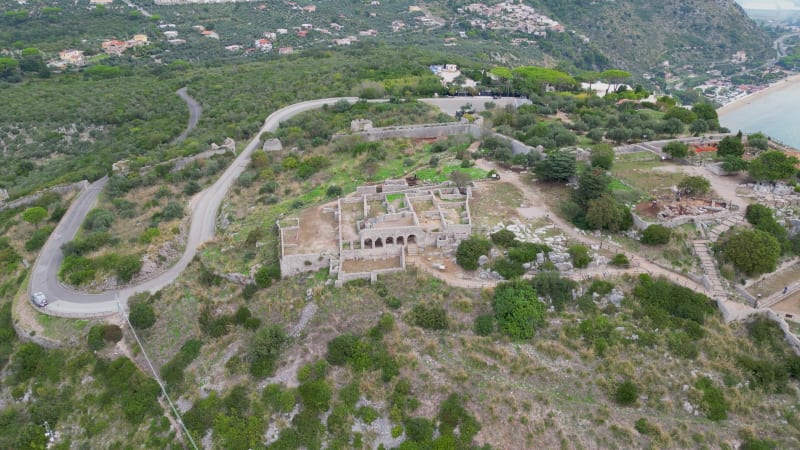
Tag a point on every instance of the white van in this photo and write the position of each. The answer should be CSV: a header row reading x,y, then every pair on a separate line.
x,y
39,299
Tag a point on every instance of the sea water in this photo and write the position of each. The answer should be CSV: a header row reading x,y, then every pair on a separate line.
x,y
775,113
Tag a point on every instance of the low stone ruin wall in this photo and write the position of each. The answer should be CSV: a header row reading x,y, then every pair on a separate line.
x,y
311,262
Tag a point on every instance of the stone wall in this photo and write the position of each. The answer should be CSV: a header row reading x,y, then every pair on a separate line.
x,y
60,190
435,130
425,131
372,253
372,276
292,265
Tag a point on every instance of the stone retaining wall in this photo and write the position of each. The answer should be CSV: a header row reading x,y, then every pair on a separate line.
x,y
60,190
435,130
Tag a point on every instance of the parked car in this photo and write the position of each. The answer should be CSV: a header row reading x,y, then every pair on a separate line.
x,y
39,299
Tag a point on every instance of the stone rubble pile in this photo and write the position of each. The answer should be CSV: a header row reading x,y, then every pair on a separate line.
x,y
559,255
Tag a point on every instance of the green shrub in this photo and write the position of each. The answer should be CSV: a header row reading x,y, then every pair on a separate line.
x,y
342,349
484,325
214,326
753,443
580,256
601,287
367,413
470,250
523,252
517,309
242,314
626,393
172,211
252,323
127,266
148,235
397,431
265,350
713,402
673,307
38,238
419,430
503,238
98,220
349,394
694,185
429,317
95,338
134,392
279,399
557,289
644,427
453,416
393,302
620,260
315,395
508,269
173,371
249,291
656,235
142,315
333,191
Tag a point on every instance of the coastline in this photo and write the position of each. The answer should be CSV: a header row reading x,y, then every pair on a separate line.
x,y
772,88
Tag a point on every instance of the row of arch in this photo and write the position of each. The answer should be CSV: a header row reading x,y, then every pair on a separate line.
x,y
379,243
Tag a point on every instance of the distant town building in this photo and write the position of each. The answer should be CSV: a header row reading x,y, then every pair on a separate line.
x,y
171,34
285,50
310,8
263,45
100,2
72,56
114,47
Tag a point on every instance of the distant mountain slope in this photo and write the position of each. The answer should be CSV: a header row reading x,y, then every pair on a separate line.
x,y
639,34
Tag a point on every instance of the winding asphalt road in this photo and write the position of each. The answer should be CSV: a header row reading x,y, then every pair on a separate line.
x,y
194,114
65,301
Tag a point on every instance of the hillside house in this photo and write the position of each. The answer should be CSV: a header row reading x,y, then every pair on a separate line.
x,y
72,56
263,45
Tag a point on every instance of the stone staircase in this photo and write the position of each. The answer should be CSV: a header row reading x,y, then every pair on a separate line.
x,y
413,249
707,261
727,224
709,266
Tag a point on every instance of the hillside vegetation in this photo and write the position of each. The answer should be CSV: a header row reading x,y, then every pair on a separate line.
x,y
639,34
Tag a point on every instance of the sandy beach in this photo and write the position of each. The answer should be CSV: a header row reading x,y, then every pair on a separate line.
x,y
747,99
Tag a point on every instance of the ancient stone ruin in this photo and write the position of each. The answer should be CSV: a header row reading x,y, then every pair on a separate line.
x,y
373,230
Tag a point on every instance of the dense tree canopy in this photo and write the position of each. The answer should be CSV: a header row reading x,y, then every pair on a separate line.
x,y
730,146
772,166
752,251
556,166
